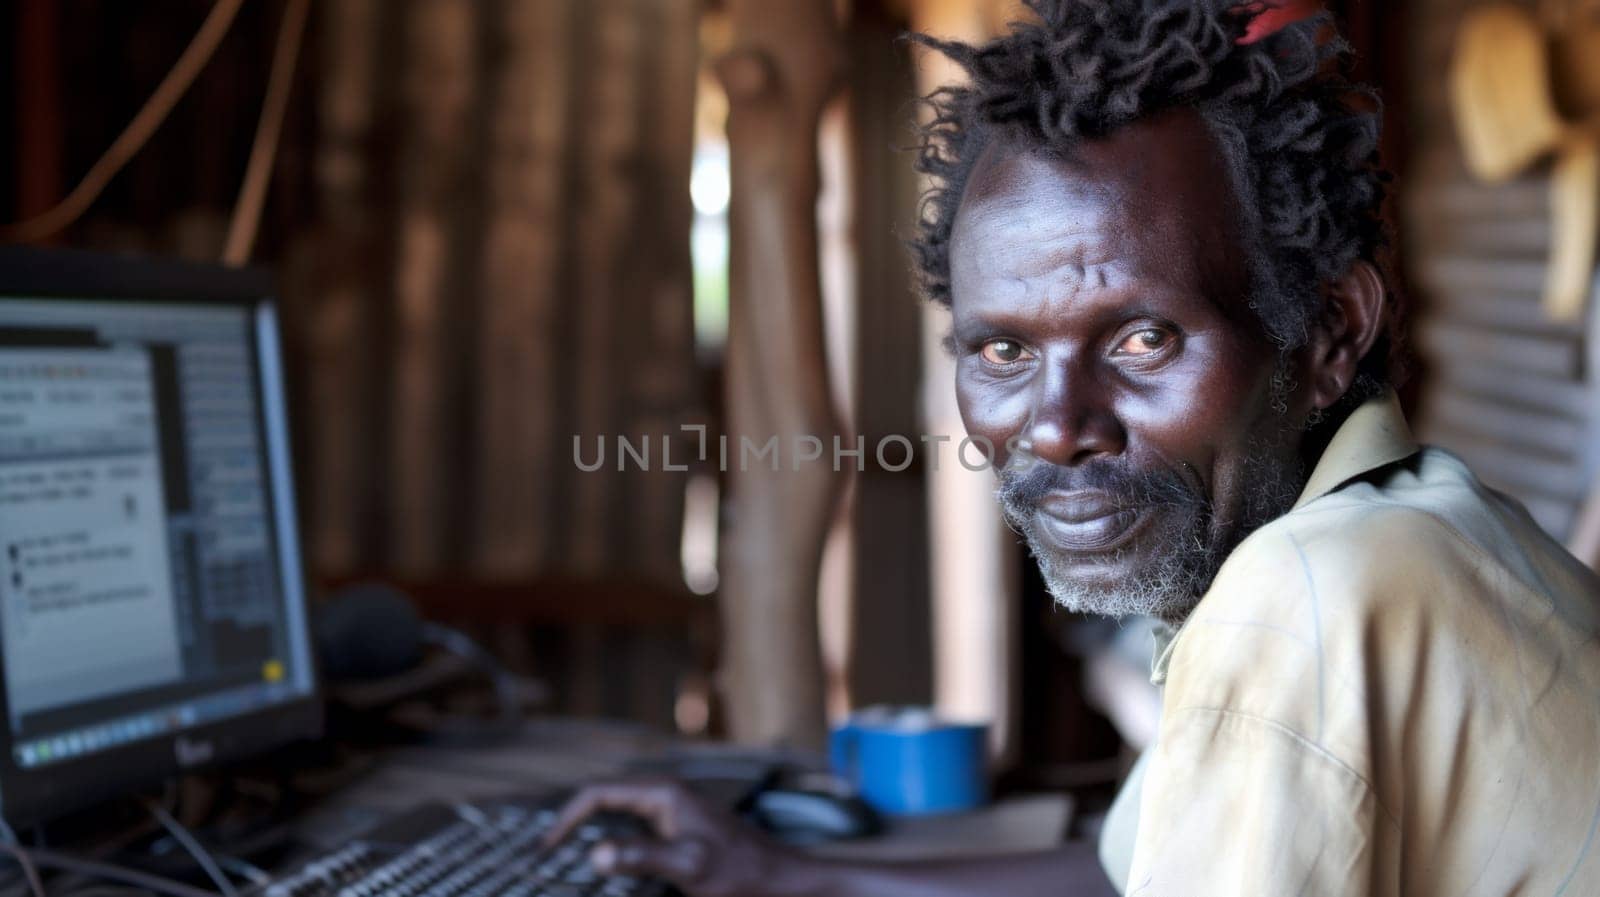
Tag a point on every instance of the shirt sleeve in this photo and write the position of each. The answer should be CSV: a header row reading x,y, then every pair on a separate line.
x,y
1239,806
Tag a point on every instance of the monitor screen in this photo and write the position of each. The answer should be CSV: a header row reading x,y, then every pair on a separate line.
x,y
150,582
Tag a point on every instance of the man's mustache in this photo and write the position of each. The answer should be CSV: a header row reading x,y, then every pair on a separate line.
x,y
1022,490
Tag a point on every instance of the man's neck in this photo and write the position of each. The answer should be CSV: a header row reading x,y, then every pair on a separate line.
x,y
1318,435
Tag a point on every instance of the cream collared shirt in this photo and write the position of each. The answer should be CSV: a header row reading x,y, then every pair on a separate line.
x,y
1392,690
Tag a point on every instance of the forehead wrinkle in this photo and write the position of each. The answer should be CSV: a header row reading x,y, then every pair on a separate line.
x,y
1067,253
1047,291
1034,225
1075,262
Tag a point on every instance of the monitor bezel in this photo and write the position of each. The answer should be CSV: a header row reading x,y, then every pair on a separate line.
x,y
39,794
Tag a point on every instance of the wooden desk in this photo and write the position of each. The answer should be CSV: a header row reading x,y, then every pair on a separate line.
x,y
1036,822
552,754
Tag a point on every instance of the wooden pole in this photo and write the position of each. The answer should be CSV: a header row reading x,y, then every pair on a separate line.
x,y
890,518
787,60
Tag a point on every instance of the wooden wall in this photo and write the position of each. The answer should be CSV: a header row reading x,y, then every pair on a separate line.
x,y
499,263
74,72
480,221
1503,386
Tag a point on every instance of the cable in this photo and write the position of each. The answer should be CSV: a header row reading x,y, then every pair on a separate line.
x,y
258,171
8,836
244,869
49,859
137,133
465,647
193,846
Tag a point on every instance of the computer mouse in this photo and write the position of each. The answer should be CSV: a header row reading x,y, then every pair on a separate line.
x,y
796,816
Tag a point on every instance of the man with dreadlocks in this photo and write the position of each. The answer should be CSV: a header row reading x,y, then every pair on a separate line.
x,y
1159,243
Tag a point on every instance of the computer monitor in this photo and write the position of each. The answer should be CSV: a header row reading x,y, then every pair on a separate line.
x,y
152,602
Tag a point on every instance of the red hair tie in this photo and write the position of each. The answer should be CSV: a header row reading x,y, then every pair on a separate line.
x,y
1270,16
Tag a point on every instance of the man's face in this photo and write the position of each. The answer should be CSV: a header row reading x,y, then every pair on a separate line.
x,y
1106,348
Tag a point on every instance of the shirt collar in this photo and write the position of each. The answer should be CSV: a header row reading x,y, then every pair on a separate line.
x,y
1374,435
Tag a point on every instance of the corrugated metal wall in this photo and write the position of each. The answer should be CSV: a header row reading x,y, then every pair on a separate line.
x,y
1504,386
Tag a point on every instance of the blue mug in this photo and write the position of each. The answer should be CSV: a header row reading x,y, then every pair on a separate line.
x,y
908,763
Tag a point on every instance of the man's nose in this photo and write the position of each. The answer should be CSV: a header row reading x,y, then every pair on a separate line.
x,y
1071,420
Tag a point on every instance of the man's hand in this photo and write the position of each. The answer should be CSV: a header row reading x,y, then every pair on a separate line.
x,y
708,853
701,850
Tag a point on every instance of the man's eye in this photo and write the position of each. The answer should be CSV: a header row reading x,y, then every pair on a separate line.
x,y
1145,342
1004,351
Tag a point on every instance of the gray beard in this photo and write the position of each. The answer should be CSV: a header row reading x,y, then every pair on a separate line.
x,y
1190,543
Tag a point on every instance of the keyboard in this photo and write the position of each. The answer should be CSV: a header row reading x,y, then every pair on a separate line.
x,y
489,849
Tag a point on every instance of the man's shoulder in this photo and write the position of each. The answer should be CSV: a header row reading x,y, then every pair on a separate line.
x,y
1396,538
1369,634
1385,539
1321,607
1308,592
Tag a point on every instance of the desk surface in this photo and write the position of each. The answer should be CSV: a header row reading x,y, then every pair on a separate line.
x,y
1025,824
552,754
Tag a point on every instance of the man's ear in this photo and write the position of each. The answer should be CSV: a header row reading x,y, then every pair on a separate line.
x,y
1353,315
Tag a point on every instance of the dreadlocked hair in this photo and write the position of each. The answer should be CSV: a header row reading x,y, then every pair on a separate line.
x,y
1299,138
